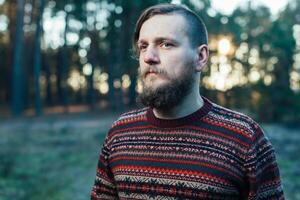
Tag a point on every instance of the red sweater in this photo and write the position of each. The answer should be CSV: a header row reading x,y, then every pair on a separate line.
x,y
214,153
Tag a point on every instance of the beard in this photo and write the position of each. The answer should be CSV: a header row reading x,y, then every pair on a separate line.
x,y
168,95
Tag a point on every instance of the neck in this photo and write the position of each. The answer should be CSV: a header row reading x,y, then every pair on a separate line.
x,y
190,104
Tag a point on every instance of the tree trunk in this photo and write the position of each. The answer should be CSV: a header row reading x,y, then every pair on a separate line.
x,y
111,63
49,98
65,67
17,91
37,59
94,51
9,61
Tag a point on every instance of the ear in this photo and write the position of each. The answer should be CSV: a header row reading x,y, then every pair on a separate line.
x,y
202,57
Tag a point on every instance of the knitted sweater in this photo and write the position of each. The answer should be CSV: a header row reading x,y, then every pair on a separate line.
x,y
214,153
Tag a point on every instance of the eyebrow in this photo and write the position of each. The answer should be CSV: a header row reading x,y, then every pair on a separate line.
x,y
158,40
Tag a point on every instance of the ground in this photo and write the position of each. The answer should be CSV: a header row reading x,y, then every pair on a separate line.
x,y
55,157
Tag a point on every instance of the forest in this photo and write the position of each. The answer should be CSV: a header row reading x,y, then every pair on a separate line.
x,y
61,56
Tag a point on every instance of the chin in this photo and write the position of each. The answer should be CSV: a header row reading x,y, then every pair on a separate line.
x,y
155,86
155,83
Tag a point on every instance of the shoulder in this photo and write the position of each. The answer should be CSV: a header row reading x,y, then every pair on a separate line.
x,y
233,120
126,121
132,116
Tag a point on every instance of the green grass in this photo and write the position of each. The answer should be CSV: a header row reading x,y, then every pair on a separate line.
x,y
55,158
49,163
286,142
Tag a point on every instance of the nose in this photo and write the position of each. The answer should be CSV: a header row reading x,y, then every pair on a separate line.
x,y
151,56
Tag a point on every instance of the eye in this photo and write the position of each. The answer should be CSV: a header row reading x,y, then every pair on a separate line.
x,y
166,45
142,47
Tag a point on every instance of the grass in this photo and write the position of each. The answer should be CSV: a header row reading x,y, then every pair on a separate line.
x,y
55,157
286,143
51,159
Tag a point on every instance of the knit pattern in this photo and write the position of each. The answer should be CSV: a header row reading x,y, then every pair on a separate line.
x,y
214,153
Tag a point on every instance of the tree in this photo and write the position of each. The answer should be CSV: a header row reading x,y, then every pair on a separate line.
x,y
37,58
17,90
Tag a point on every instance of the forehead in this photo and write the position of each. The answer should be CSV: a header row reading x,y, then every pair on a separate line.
x,y
168,26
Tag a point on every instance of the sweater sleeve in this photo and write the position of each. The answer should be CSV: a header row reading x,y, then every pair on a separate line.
x,y
104,187
262,170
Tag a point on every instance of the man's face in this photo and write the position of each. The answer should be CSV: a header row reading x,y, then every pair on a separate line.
x,y
166,60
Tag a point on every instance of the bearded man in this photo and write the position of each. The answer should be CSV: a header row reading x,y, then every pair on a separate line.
x,y
181,145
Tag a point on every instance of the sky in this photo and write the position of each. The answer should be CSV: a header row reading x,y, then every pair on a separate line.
x,y
227,6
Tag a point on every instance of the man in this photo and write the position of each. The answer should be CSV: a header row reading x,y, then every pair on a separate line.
x,y
182,146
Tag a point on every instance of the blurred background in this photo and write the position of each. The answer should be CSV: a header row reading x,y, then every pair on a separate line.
x,y
67,71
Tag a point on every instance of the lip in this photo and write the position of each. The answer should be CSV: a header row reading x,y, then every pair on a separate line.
x,y
150,73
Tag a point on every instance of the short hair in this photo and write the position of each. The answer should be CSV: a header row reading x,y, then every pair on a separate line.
x,y
197,29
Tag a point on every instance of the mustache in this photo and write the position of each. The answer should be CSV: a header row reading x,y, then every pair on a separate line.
x,y
146,70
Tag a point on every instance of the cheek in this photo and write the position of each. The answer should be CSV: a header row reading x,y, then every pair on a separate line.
x,y
172,60
140,60
141,65
180,55
179,62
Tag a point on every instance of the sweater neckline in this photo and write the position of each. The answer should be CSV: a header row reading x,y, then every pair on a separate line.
x,y
171,123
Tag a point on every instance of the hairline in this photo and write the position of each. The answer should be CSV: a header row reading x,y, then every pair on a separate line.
x,y
186,25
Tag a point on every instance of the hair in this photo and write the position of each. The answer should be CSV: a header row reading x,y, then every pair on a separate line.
x,y
197,31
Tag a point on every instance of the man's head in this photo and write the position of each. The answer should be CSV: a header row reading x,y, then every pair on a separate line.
x,y
195,27
171,43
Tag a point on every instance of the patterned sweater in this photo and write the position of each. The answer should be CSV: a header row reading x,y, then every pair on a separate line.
x,y
214,153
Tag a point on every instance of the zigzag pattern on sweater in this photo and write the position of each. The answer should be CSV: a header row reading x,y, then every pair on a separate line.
x,y
216,154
